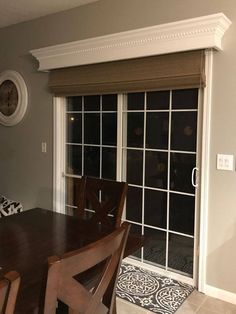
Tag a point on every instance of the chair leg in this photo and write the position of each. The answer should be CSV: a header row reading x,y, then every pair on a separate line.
x,y
114,308
109,298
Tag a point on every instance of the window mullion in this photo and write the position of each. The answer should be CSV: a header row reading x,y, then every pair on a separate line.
x,y
144,166
120,124
100,170
82,169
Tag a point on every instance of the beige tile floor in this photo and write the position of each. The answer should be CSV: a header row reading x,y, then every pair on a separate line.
x,y
195,303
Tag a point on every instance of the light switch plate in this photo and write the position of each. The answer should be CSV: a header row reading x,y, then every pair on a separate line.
x,y
44,147
225,162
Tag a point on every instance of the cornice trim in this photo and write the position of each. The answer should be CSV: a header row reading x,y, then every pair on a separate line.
x,y
191,34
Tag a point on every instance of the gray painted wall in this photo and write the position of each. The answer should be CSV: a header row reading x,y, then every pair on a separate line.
x,y
26,173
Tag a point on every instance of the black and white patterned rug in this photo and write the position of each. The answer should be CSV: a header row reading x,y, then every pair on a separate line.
x,y
151,291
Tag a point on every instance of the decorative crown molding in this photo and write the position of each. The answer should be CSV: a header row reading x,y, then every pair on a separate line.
x,y
191,34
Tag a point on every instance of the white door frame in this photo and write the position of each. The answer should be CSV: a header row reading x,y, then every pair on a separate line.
x,y
58,154
205,170
59,165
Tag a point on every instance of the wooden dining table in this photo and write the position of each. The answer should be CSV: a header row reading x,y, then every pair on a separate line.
x,y
29,238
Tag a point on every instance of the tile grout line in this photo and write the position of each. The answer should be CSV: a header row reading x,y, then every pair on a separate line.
x,y
198,306
201,305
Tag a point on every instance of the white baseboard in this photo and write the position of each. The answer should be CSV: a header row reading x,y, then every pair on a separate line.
x,y
209,290
220,294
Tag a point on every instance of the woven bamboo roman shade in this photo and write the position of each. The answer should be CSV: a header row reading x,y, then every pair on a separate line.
x,y
169,71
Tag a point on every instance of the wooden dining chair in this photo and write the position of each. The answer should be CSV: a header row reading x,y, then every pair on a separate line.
x,y
101,200
9,286
62,285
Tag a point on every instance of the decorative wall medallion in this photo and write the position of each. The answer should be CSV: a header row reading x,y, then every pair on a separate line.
x,y
13,98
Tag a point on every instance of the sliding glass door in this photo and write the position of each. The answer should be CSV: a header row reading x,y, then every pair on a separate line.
x,y
159,158
149,140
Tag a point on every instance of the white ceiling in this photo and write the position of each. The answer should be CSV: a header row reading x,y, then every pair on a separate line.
x,y
17,11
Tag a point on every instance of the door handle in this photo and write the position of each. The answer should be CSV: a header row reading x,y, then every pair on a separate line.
x,y
194,177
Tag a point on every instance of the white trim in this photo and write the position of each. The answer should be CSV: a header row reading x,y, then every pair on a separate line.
x,y
58,154
191,34
205,169
119,138
217,293
159,271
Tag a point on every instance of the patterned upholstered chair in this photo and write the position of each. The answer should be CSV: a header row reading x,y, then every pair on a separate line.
x,y
9,207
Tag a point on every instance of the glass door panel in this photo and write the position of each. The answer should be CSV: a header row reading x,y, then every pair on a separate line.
x,y
134,204
181,213
184,130
156,169
158,100
181,166
109,163
180,253
155,208
134,166
74,160
159,154
154,139
154,251
135,129
91,141
159,136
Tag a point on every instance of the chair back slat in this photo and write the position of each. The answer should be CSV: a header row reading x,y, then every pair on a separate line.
x,y
3,293
69,292
88,256
9,287
101,200
62,284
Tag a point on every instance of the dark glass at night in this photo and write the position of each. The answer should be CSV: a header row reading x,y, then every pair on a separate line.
x,y
134,204
155,208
